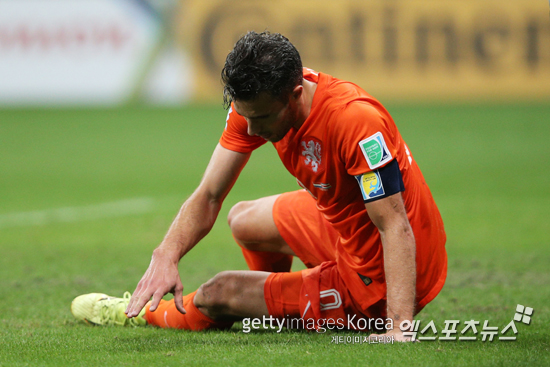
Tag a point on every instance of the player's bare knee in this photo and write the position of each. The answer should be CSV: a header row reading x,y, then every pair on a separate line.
x,y
239,220
216,294
208,294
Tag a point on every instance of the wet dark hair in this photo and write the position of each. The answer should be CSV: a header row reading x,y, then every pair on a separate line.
x,y
261,62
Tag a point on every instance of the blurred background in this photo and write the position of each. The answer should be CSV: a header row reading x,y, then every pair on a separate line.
x,y
110,109
169,52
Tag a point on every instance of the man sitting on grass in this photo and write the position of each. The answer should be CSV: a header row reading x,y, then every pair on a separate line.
x,y
365,223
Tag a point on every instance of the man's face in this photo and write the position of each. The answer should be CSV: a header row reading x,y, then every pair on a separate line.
x,y
268,117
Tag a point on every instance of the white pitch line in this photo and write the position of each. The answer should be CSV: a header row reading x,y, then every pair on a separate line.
x,y
78,213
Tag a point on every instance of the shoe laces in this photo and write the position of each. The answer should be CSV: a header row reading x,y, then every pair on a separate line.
x,y
112,311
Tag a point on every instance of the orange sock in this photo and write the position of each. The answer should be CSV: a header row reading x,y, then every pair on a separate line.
x,y
167,316
273,262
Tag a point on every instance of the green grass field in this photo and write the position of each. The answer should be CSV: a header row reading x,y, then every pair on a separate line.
x,y
85,196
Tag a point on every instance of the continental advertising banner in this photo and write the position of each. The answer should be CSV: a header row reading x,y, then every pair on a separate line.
x,y
398,49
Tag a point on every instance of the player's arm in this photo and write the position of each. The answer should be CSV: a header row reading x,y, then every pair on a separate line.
x,y
194,220
390,217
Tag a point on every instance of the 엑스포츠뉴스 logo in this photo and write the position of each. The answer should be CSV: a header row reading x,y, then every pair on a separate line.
x,y
375,150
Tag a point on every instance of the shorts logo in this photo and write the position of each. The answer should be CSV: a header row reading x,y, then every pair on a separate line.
x,y
365,279
311,150
375,150
371,185
336,300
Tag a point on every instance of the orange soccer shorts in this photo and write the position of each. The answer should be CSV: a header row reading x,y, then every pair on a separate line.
x,y
318,293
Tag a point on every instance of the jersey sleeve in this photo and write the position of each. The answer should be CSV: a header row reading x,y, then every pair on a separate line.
x,y
365,138
235,135
368,147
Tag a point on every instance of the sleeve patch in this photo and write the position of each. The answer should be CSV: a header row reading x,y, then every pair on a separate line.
x,y
375,150
381,183
371,185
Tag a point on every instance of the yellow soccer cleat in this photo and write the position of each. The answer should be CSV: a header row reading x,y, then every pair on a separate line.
x,y
101,309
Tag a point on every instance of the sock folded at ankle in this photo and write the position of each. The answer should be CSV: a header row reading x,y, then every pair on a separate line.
x,y
167,316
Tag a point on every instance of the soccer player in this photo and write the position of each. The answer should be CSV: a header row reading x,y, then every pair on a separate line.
x,y
365,223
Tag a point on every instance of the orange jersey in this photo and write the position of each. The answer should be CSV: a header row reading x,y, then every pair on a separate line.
x,y
348,133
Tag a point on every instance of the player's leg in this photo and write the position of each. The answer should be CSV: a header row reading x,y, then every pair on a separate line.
x,y
316,294
312,295
286,224
305,299
254,229
233,295
227,297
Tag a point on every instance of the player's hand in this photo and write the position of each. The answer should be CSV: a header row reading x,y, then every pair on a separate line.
x,y
161,277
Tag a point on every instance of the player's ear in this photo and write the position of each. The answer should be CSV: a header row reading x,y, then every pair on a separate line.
x,y
297,92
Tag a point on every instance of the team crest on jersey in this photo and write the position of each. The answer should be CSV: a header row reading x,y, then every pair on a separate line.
x,y
375,150
311,152
371,185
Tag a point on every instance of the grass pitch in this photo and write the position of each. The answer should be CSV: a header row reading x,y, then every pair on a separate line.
x,y
85,196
